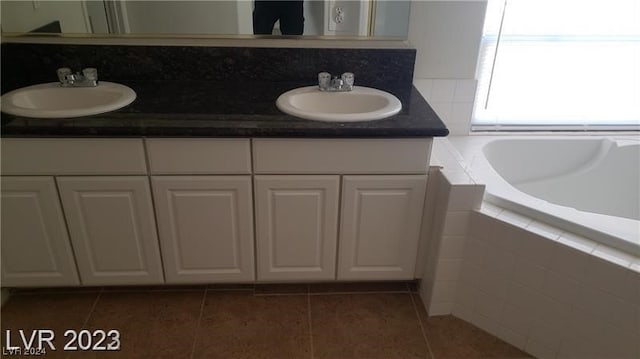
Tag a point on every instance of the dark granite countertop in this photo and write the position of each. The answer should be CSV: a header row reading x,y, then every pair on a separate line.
x,y
205,109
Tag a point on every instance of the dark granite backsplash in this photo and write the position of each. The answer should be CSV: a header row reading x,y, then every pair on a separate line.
x,y
27,64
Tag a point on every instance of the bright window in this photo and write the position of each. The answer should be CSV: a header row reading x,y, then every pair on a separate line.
x,y
559,65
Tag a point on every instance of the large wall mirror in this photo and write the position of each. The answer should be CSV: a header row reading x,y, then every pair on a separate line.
x,y
366,18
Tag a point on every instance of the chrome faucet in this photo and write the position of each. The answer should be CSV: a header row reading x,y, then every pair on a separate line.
x,y
88,77
336,84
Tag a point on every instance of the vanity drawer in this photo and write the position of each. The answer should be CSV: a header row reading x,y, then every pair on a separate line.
x,y
342,156
199,156
72,156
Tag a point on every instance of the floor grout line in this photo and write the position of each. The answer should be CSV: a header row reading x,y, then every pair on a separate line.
x,y
93,308
195,337
86,320
310,324
424,332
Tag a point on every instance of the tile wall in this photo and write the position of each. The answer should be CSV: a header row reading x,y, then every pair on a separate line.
x,y
452,99
455,196
550,293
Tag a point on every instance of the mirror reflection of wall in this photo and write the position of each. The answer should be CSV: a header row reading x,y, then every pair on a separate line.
x,y
197,17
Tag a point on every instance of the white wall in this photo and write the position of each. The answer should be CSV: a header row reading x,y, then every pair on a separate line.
x,y
447,36
183,17
24,16
392,18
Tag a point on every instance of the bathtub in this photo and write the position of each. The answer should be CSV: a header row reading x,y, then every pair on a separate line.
x,y
586,185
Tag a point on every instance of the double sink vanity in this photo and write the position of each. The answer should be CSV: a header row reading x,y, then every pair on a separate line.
x,y
212,182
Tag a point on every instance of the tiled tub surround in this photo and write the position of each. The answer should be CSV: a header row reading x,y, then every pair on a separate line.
x,y
583,184
547,291
216,91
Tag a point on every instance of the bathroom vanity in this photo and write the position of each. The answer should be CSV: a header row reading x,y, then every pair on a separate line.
x,y
208,182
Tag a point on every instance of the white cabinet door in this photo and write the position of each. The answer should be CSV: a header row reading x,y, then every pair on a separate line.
x,y
35,245
380,226
296,227
206,228
112,229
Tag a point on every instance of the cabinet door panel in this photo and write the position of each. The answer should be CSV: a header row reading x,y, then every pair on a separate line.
x,y
35,245
206,228
296,227
112,229
380,226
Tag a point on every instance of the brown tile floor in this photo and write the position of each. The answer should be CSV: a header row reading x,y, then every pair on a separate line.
x,y
337,320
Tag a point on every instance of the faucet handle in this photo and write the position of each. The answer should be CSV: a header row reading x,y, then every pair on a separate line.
x,y
62,73
90,74
324,80
348,79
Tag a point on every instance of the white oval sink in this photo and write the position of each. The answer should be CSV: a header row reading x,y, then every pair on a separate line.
x,y
50,100
360,104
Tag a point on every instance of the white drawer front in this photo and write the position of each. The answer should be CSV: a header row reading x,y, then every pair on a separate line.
x,y
347,156
199,156
72,156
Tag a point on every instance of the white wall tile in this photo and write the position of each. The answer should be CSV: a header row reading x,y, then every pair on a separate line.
x,y
505,236
497,285
632,285
489,306
609,308
561,287
577,242
481,225
568,261
528,273
442,109
456,223
606,276
446,35
613,255
465,197
462,311
466,295
465,90
517,340
459,179
424,87
575,348
533,247
485,323
442,90
545,336
448,269
540,350
452,247
523,297
620,344
517,319
457,129
553,313
444,291
499,262
461,113
544,230
490,210
584,324
440,308
515,219
475,252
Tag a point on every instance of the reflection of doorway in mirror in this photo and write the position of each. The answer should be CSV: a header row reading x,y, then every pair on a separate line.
x,y
289,14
